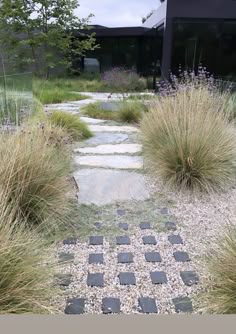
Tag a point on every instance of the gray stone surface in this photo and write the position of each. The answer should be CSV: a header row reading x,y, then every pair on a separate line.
x,y
98,225
164,211
110,106
120,212
63,279
96,258
66,257
158,277
189,277
110,149
90,120
153,257
75,306
124,226
181,256
127,279
149,240
183,304
96,240
145,226
101,187
123,240
147,305
70,241
95,280
113,128
171,226
175,239
106,138
110,305
125,258
110,161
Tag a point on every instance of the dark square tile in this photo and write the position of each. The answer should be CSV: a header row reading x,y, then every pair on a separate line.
x,y
171,226
95,240
153,257
145,226
95,280
66,257
175,239
125,258
127,279
75,306
110,305
98,225
164,211
158,277
123,240
189,277
147,305
63,279
181,257
183,304
70,241
96,258
124,226
149,240
120,212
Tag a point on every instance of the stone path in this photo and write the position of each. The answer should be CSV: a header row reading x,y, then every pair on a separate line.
x,y
133,259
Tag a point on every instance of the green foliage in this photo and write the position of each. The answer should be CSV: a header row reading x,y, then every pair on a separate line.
x,y
131,112
94,110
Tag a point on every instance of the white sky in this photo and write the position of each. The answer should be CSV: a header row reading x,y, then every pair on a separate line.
x,y
116,13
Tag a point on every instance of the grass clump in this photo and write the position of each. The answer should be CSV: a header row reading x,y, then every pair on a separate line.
x,y
189,141
94,110
71,124
131,112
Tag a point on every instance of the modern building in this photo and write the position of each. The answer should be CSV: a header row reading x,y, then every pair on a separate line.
x,y
179,32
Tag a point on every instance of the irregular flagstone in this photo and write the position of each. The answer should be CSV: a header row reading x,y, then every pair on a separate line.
x,y
90,120
111,161
101,186
111,149
113,128
106,138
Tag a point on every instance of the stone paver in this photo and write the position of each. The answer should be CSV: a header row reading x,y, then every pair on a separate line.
x,y
110,149
147,305
110,305
90,120
106,138
120,212
110,161
96,258
70,241
123,240
66,257
125,258
183,304
96,240
63,279
127,278
175,239
96,280
181,257
158,277
171,226
124,226
75,306
113,128
149,240
189,277
153,257
145,226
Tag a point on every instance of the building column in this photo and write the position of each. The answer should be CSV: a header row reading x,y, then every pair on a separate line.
x,y
167,49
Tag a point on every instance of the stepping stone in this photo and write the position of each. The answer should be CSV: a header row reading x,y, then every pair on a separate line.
x,y
149,240
183,304
110,161
164,211
110,305
153,257
98,225
124,226
66,257
75,306
110,106
106,138
170,226
95,280
70,241
145,226
147,305
127,279
111,149
104,186
109,128
123,240
95,240
120,212
125,258
189,277
96,258
158,277
90,120
181,257
175,239
63,279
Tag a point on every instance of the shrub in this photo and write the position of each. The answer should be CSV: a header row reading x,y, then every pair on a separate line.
x,y
189,141
94,110
131,112
220,283
71,124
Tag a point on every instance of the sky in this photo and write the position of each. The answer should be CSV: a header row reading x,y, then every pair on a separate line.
x,y
116,13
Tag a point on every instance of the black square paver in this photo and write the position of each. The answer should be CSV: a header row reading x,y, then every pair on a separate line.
x,y
75,306
96,240
149,240
147,305
110,305
125,240
171,226
175,239
124,226
125,258
158,277
189,277
98,225
95,280
63,279
70,241
127,279
183,304
120,212
66,257
96,258
145,226
153,257
181,257
164,211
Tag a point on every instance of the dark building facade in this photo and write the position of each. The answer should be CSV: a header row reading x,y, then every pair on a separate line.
x,y
179,32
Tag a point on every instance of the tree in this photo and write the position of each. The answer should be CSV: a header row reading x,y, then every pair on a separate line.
x,y
41,33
